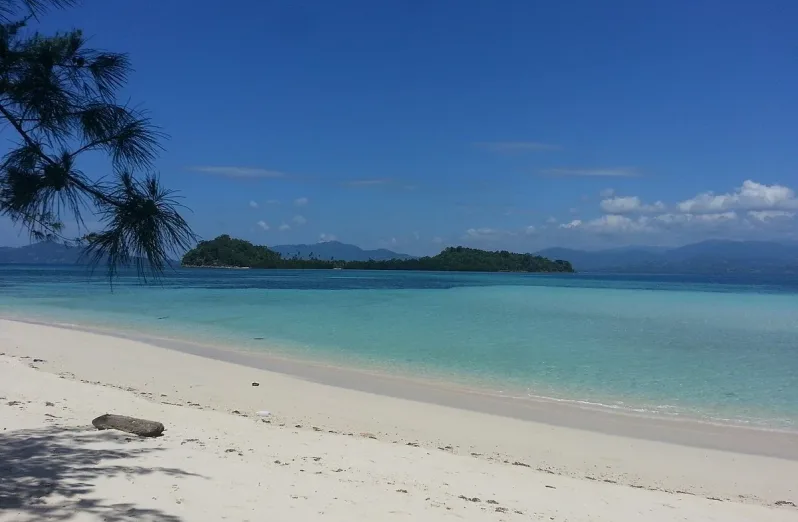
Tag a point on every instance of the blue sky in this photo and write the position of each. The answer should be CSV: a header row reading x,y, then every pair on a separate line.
x,y
513,124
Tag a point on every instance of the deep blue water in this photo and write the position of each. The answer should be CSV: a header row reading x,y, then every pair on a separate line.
x,y
715,347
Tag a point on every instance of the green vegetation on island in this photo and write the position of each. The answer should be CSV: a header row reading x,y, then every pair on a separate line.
x,y
225,251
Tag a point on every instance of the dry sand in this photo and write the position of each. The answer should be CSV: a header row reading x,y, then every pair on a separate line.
x,y
332,453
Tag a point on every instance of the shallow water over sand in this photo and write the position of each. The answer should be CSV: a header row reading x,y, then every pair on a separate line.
x,y
713,348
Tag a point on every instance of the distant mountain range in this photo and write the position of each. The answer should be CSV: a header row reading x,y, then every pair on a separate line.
x,y
697,258
714,256
44,253
51,253
337,251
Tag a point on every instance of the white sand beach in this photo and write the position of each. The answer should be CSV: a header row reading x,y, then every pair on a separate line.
x,y
336,453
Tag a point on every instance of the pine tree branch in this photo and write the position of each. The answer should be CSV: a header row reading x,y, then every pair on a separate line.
x,y
18,126
91,145
30,141
60,99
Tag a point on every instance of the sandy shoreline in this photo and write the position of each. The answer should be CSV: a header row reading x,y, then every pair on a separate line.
x,y
436,450
682,430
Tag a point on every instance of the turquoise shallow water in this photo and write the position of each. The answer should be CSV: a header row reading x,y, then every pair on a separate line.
x,y
719,348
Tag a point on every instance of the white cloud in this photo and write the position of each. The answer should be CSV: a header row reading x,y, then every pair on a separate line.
x,y
299,220
657,206
629,205
607,193
768,215
675,218
516,146
609,223
750,196
237,172
614,172
262,224
551,220
486,233
301,202
613,223
530,230
576,223
326,238
284,227
715,218
621,205
753,210
671,218
674,221
253,204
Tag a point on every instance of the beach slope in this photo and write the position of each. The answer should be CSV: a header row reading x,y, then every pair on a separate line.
x,y
323,452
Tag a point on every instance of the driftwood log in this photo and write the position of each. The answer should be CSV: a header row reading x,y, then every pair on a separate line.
x,y
140,427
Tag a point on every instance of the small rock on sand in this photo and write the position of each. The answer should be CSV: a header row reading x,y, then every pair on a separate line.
x,y
140,427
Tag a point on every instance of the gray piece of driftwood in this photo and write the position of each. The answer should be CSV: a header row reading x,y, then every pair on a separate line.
x,y
140,427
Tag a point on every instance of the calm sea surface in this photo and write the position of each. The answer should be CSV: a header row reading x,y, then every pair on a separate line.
x,y
718,348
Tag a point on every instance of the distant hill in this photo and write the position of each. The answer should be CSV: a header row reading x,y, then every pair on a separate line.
x,y
335,250
583,260
715,256
43,253
706,257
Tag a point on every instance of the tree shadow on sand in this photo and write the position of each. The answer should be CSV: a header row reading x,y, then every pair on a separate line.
x,y
49,474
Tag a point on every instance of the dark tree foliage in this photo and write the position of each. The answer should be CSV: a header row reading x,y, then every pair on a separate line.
x,y
460,259
58,103
225,251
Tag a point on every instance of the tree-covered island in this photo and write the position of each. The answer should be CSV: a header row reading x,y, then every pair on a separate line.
x,y
225,251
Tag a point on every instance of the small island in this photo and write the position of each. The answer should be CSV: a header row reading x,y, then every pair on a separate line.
x,y
227,252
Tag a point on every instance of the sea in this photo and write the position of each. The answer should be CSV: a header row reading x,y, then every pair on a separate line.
x,y
716,348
